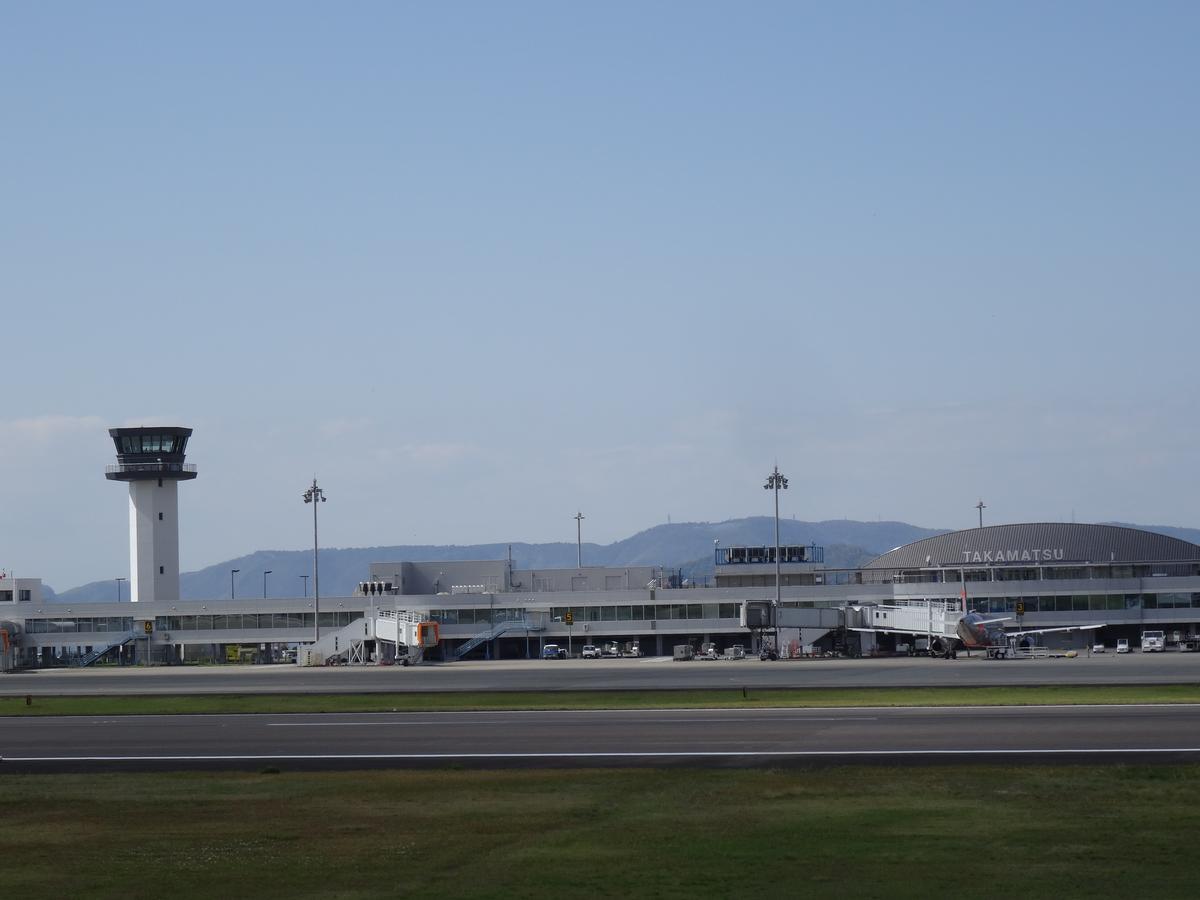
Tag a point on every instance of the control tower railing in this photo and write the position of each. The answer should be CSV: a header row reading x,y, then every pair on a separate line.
x,y
166,468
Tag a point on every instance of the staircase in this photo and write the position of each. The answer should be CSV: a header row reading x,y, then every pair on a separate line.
x,y
499,628
90,658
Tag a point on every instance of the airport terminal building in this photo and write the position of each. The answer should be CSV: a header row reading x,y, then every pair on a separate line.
x,y
1038,574
1042,575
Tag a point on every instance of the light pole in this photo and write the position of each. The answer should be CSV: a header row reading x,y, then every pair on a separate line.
x,y
315,495
775,481
265,574
579,540
304,578
981,506
232,572
119,580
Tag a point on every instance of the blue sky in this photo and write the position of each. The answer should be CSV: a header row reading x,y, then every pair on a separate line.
x,y
478,266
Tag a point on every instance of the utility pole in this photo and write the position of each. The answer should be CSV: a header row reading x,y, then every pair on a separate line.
x,y
315,495
776,481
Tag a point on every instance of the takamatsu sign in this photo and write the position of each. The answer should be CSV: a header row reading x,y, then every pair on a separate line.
x,y
1002,556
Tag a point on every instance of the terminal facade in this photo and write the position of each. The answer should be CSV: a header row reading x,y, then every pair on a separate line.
x,y
1040,575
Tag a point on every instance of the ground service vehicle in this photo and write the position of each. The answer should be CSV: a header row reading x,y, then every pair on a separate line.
x,y
631,648
1122,645
590,651
1153,642
553,651
708,650
610,649
1098,648
684,652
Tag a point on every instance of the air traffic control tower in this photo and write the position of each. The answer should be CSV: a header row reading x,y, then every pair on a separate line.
x,y
151,460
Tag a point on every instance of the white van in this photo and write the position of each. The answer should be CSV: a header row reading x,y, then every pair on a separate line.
x,y
1122,645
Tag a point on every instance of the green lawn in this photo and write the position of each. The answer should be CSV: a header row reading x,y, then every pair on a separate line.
x,y
844,832
815,697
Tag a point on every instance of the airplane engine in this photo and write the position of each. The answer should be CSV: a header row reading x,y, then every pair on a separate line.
x,y
946,648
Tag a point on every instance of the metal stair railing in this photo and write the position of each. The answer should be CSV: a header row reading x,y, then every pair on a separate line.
x,y
495,631
89,658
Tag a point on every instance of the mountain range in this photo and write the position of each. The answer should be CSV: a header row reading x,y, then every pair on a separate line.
x,y
684,546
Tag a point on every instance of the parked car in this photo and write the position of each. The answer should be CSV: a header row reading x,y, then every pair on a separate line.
x,y
590,651
553,651
1122,645
1098,648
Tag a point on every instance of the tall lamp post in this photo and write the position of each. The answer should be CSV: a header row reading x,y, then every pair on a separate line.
x,y
315,495
304,578
232,572
579,540
265,574
119,580
775,481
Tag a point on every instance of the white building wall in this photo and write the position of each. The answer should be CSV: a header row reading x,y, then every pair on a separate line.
x,y
154,541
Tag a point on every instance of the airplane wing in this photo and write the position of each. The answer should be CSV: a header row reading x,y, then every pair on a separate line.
x,y
1048,630
910,631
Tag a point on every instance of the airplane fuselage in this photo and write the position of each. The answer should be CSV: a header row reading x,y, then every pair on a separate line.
x,y
973,631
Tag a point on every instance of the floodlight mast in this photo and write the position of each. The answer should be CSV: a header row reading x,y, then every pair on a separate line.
x,y
315,495
776,481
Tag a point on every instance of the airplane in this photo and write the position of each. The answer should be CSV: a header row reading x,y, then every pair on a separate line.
x,y
973,631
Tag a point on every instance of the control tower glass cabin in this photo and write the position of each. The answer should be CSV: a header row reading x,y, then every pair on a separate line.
x,y
151,460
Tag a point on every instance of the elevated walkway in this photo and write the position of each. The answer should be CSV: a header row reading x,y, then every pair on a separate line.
x,y
349,644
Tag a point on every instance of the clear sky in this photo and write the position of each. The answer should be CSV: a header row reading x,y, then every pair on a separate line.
x,y
478,266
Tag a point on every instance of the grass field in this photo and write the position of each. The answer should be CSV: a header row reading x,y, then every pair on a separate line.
x,y
971,831
814,697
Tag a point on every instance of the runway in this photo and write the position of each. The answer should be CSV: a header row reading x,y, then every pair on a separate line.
x,y
609,674
775,737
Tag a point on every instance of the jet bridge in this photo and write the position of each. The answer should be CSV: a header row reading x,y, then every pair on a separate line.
x,y
936,618
409,631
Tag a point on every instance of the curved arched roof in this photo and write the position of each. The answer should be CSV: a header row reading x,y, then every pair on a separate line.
x,y
1039,542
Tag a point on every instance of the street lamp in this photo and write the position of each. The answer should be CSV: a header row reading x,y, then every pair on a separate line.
x,y
315,495
232,572
579,540
119,580
265,574
776,481
304,578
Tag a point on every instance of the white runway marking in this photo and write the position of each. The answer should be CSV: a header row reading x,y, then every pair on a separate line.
x,y
501,722
682,754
